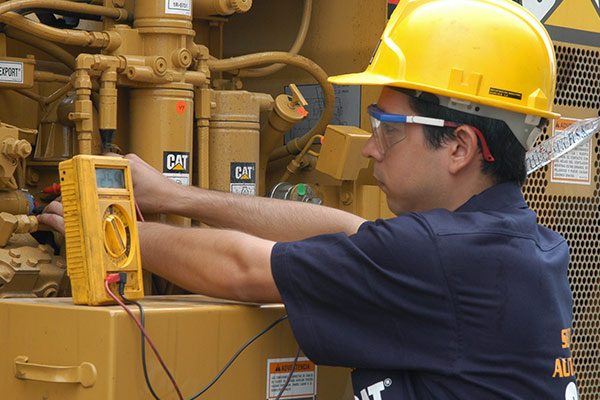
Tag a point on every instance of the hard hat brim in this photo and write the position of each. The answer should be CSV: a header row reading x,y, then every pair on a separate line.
x,y
368,78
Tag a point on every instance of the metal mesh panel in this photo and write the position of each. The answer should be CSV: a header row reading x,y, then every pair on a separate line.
x,y
577,218
578,83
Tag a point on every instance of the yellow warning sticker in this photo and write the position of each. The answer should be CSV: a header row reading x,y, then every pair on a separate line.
x,y
302,384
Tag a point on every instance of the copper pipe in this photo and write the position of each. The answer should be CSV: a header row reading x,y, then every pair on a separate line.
x,y
293,146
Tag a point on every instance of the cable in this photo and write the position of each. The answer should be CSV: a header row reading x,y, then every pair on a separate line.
x,y
121,279
114,278
248,343
143,341
289,377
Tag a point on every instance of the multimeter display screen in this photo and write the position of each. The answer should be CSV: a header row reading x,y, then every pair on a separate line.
x,y
110,178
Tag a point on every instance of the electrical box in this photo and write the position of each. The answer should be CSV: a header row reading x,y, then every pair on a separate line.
x,y
341,152
53,349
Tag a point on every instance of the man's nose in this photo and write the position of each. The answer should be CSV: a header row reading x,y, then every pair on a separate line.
x,y
370,150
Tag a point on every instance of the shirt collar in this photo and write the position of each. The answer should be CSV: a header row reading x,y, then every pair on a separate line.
x,y
502,195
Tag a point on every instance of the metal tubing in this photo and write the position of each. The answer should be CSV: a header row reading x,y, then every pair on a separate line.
x,y
298,43
65,36
43,76
294,146
47,47
119,14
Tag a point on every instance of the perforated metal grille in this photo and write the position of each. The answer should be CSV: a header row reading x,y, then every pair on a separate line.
x,y
578,83
577,218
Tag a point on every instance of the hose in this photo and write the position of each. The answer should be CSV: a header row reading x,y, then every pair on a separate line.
x,y
65,36
293,146
119,14
47,47
298,43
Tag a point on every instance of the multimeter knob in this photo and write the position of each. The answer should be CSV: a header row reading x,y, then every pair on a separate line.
x,y
116,235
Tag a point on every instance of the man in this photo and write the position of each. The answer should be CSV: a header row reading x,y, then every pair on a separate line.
x,y
463,295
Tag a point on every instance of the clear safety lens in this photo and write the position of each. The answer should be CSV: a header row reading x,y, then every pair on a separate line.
x,y
387,134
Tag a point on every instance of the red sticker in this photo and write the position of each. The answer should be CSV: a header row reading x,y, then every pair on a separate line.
x,y
180,107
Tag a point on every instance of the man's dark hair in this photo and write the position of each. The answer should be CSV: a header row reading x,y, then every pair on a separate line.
x,y
509,154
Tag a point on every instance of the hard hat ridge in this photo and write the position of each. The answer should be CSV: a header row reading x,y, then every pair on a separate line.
x,y
490,54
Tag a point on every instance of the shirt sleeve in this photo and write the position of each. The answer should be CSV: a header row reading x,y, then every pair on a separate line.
x,y
376,299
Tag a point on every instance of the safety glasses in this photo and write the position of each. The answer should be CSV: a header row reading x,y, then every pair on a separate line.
x,y
390,129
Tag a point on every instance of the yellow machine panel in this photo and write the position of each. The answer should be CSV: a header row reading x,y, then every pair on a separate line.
x,y
100,227
59,351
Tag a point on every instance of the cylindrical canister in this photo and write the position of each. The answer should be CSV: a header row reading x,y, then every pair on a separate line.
x,y
234,142
161,133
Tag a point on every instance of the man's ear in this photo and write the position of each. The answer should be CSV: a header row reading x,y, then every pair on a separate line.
x,y
463,149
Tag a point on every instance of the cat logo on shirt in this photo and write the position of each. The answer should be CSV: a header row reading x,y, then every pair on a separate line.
x,y
374,391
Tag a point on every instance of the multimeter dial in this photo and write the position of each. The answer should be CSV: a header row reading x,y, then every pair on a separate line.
x,y
117,233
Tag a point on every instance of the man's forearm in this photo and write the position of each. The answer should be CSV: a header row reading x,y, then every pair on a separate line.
x,y
272,219
217,263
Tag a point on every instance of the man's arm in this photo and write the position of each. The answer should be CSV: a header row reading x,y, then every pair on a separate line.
x,y
217,263
266,218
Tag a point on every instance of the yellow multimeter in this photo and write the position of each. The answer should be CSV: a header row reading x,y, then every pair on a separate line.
x,y
100,227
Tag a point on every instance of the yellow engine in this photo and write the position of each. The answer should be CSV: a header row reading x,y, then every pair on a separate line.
x,y
230,95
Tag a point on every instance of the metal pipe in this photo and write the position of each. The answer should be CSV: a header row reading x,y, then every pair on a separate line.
x,y
298,43
43,76
47,47
119,14
65,36
293,146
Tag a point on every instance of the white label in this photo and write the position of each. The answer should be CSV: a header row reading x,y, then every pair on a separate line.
x,y
302,384
182,179
182,7
574,167
11,71
246,189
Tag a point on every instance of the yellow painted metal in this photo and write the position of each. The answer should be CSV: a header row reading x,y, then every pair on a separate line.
x,y
100,228
234,139
460,57
195,335
340,155
576,14
161,121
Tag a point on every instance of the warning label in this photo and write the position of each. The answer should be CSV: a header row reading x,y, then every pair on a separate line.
x,y
176,166
182,7
575,167
301,385
11,71
243,178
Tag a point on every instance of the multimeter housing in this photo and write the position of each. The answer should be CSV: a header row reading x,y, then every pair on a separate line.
x,y
100,227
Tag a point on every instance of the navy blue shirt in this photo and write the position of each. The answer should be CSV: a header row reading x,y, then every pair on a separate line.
x,y
470,304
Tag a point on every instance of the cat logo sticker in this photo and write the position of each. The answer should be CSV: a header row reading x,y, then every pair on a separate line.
x,y
243,178
176,166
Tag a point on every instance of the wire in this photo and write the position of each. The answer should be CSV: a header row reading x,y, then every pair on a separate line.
x,y
138,212
248,343
289,377
143,341
144,333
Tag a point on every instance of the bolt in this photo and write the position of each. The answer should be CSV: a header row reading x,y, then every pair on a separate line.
x,y
32,262
13,253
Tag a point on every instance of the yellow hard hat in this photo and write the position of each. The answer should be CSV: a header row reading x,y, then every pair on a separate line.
x,y
491,52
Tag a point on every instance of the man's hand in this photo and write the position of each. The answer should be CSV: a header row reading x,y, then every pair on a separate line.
x,y
53,216
152,190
